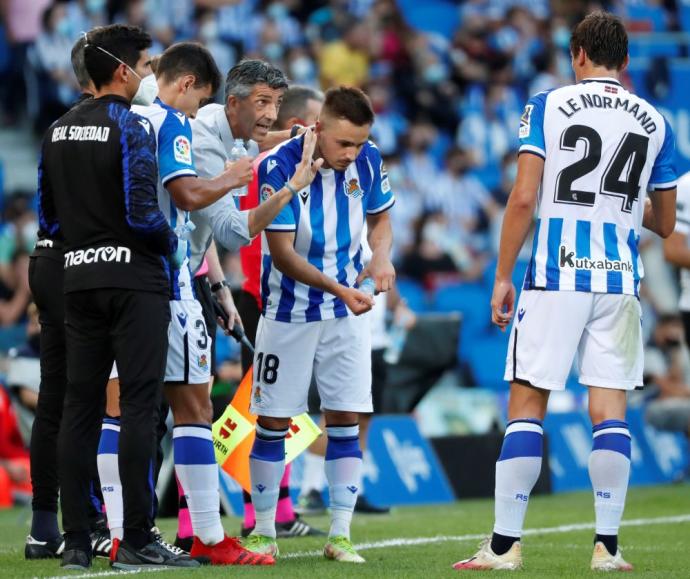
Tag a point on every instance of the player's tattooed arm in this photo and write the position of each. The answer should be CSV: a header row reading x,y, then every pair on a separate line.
x,y
516,225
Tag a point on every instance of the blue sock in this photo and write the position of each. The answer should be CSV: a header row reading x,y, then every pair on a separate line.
x,y
344,475
609,471
197,471
267,464
517,471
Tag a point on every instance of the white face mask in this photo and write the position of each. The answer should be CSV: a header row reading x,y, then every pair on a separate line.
x,y
147,91
148,86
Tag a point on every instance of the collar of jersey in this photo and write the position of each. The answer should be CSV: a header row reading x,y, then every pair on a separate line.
x,y
604,79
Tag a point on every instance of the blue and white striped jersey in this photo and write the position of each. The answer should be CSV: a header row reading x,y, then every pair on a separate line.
x,y
603,149
175,159
327,219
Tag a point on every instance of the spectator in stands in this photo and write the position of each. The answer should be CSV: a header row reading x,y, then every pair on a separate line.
x,y
346,61
23,22
24,369
665,370
14,291
58,85
15,482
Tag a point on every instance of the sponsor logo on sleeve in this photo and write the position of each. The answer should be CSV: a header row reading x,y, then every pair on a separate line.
x,y
271,165
525,122
182,150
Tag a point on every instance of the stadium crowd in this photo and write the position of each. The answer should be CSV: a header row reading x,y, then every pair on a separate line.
x,y
447,98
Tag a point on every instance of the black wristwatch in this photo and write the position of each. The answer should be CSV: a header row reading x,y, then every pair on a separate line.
x,y
219,285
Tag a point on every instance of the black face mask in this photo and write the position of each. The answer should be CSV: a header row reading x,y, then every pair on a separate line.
x,y
672,343
35,342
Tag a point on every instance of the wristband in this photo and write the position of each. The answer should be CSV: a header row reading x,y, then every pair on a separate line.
x,y
219,285
294,130
290,188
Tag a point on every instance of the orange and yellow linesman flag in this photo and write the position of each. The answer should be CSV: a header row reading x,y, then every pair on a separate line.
x,y
233,435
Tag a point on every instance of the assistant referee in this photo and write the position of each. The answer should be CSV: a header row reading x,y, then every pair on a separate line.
x,y
97,188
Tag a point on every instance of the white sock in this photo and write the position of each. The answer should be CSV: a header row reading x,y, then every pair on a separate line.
x,y
109,475
313,477
517,471
344,473
609,471
197,471
267,465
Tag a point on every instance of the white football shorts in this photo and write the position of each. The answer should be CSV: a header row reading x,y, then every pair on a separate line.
x,y
189,345
550,327
337,352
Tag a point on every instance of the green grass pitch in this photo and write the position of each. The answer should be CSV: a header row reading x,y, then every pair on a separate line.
x,y
655,538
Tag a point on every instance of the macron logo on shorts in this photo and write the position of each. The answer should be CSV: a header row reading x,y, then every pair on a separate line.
x,y
96,255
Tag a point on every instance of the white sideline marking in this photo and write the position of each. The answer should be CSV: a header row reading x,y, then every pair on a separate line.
x,y
478,537
419,541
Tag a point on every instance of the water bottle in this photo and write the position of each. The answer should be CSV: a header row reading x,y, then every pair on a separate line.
x,y
397,336
183,232
368,286
236,153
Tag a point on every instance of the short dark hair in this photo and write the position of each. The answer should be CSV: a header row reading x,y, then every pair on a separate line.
x,y
122,41
78,64
295,102
603,38
348,103
246,74
189,58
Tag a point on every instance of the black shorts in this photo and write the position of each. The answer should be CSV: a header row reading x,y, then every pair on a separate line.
x,y
202,289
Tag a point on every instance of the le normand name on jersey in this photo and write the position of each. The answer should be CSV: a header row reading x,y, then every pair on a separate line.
x,y
596,101
72,133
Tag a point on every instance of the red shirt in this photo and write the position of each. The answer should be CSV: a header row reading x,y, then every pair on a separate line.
x,y
251,254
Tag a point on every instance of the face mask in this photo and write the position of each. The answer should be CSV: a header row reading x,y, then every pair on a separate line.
x,y
147,91
148,87
302,68
95,6
208,31
277,11
63,27
273,51
561,37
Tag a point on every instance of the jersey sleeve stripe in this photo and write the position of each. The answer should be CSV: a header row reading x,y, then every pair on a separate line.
x,y
532,149
281,227
176,174
663,186
381,208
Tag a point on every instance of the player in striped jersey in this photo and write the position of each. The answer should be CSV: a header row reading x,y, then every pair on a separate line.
x,y
590,155
309,325
187,75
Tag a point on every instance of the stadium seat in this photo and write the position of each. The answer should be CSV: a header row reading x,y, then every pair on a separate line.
x,y
518,273
486,358
413,293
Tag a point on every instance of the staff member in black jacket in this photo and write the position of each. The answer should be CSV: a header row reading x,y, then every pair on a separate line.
x,y
97,188
45,277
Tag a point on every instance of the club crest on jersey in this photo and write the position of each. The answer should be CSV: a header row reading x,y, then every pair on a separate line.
x,y
203,362
352,189
267,192
257,395
182,150
525,121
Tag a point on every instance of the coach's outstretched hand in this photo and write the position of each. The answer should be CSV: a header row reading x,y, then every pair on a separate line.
x,y
502,303
357,301
308,167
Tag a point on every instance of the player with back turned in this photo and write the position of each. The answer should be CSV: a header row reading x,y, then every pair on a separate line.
x,y
97,188
597,161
